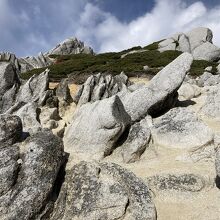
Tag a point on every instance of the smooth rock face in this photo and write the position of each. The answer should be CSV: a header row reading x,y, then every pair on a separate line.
x,y
161,92
95,128
10,129
43,156
207,51
178,128
198,36
136,142
70,46
103,191
184,182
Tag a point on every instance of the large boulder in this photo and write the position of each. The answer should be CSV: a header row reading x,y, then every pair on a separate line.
x,y
136,142
10,129
103,191
34,88
206,51
70,46
161,92
95,128
29,115
197,41
178,128
198,36
10,133
8,76
41,162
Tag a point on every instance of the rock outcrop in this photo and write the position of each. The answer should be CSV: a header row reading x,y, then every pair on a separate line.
x,y
179,127
161,92
70,46
198,42
136,142
100,87
96,191
95,129
41,161
29,63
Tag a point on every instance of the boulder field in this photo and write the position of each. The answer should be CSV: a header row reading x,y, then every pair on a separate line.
x,y
114,149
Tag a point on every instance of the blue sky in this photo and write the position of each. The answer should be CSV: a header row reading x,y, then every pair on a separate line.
x,y
30,26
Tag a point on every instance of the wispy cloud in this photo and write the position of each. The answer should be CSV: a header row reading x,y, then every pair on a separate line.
x,y
167,17
33,26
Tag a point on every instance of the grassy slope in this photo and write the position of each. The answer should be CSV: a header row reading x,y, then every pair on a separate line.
x,y
82,65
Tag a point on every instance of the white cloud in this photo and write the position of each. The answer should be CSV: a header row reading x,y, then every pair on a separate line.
x,y
166,18
34,26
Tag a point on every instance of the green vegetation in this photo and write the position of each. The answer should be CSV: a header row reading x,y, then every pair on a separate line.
x,y
153,46
112,63
82,65
199,66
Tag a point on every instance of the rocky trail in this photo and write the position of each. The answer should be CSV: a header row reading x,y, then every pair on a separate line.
x,y
114,147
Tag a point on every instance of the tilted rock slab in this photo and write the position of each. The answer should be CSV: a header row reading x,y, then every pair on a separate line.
x,y
161,92
95,128
103,191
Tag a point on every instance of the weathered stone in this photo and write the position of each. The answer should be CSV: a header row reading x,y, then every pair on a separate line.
x,y
178,128
63,91
208,79
29,63
8,167
10,129
103,191
176,182
43,157
11,58
95,128
98,87
198,36
161,92
29,114
207,51
8,76
211,107
188,91
70,46
217,162
136,142
33,89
